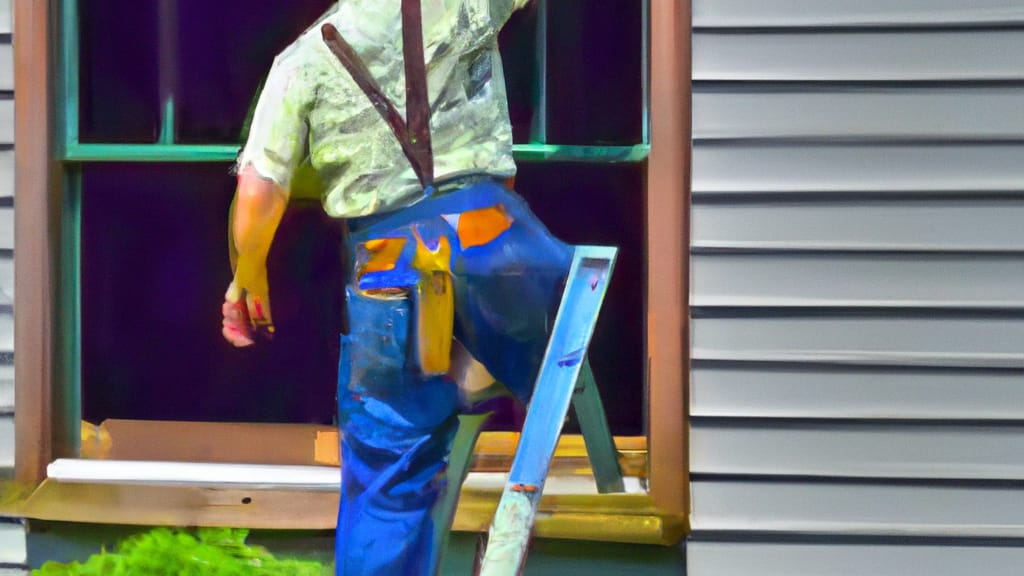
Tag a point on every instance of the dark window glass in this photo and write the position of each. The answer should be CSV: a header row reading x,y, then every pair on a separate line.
x,y
215,58
518,43
118,71
225,51
154,268
594,80
154,260
603,205
225,55
154,271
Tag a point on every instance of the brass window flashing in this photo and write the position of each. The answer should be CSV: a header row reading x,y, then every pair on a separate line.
x,y
44,431
630,518
610,517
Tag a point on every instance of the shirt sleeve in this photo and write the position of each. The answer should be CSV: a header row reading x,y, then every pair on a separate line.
x,y
278,134
502,9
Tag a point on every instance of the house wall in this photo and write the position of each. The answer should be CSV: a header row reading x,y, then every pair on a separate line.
x,y
857,393
6,241
12,548
12,534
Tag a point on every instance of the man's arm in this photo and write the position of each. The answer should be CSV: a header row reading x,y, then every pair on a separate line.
x,y
275,147
255,214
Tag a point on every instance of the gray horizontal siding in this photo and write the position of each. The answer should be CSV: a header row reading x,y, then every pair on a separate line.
x,y
844,392
813,13
7,270
862,450
856,286
6,388
901,55
6,294
5,17
6,173
7,228
876,559
6,441
854,280
907,225
886,340
984,113
6,66
12,543
894,509
887,168
6,118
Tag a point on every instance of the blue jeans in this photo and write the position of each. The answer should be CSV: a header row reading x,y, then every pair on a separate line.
x,y
397,422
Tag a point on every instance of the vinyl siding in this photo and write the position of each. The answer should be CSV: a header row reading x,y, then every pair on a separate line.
x,y
6,242
13,560
857,287
12,545
877,13
854,559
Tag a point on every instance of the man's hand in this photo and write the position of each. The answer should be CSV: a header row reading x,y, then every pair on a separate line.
x,y
256,212
246,314
235,326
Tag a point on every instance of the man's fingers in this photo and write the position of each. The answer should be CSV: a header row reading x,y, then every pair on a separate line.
x,y
235,326
234,293
232,312
235,335
236,339
245,317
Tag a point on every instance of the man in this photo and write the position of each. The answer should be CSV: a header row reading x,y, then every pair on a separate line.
x,y
439,248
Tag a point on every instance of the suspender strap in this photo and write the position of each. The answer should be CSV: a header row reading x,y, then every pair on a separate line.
x,y
413,135
417,106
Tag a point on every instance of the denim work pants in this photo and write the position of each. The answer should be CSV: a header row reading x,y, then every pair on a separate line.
x,y
397,422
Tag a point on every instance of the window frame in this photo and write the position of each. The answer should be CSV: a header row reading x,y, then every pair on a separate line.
x,y
47,317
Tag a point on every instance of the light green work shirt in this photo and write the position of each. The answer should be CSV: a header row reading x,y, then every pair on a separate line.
x,y
311,108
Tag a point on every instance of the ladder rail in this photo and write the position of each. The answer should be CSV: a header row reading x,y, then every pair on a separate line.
x,y
585,289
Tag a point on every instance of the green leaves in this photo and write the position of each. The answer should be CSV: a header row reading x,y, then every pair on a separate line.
x,y
173,552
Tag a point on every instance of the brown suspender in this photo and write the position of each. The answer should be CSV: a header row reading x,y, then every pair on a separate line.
x,y
417,106
413,133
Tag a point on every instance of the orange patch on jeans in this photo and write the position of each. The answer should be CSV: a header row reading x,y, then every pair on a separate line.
x,y
478,227
381,254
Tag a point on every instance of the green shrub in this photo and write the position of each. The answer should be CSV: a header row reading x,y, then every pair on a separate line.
x,y
166,552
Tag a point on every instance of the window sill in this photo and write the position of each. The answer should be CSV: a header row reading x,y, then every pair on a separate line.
x,y
628,518
285,477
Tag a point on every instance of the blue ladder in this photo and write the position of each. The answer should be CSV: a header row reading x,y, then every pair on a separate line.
x,y
556,387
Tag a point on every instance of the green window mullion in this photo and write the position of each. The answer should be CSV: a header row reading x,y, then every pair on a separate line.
x,y
68,98
168,58
645,71
66,396
66,399
539,126
228,153
165,150
578,153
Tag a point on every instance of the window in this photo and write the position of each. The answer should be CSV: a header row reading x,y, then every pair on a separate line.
x,y
152,98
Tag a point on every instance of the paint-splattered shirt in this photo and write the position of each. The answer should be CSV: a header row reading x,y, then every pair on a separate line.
x,y
311,109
